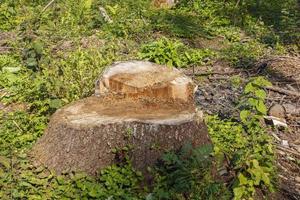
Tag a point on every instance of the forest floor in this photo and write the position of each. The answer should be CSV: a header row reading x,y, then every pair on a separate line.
x,y
52,52
216,96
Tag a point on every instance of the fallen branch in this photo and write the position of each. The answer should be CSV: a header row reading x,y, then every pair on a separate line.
x,y
283,91
48,5
287,150
211,73
17,125
275,136
277,58
105,15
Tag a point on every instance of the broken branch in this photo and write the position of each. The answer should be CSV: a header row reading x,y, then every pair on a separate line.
x,y
283,91
47,6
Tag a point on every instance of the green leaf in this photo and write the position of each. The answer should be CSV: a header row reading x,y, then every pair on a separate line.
x,y
265,178
256,173
79,175
38,47
25,184
255,163
55,103
261,81
113,9
260,94
239,192
60,180
88,4
249,88
31,62
261,107
244,114
37,181
95,191
253,102
242,179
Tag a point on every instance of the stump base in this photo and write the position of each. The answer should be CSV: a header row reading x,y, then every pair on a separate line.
x,y
82,136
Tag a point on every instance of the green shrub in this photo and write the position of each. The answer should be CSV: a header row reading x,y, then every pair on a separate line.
x,y
19,130
186,175
121,182
243,54
174,53
23,181
9,63
246,143
74,77
163,51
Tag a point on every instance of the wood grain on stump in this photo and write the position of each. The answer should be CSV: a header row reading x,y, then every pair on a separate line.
x,y
82,136
145,79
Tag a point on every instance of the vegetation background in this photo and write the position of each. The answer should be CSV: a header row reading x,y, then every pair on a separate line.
x,y
51,52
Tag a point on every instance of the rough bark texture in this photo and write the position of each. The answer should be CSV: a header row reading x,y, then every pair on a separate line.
x,y
81,138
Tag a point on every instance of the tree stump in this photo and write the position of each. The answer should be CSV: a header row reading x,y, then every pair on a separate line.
x,y
140,108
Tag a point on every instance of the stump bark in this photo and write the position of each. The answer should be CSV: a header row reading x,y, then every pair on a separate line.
x,y
133,119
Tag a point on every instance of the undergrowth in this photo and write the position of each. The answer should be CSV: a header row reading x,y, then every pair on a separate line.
x,y
174,53
51,56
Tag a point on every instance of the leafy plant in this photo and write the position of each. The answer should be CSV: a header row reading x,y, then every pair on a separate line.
x,y
243,54
44,65
9,63
121,182
19,130
163,51
22,180
246,144
186,174
174,53
253,98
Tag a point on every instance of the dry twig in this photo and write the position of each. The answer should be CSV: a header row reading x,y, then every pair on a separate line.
x,y
283,91
48,5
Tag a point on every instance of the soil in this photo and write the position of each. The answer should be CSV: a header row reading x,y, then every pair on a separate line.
x,y
218,95
5,38
282,68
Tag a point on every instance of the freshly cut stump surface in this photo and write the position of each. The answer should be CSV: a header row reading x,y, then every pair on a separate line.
x,y
84,135
146,79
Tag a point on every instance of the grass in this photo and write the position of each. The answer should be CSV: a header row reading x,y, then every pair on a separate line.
x,y
52,56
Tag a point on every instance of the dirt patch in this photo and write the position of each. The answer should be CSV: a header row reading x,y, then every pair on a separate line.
x,y
217,43
92,42
5,38
89,42
282,68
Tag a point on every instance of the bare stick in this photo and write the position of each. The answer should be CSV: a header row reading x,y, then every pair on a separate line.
x,y
49,4
17,125
105,15
237,3
283,91
287,150
211,73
